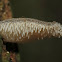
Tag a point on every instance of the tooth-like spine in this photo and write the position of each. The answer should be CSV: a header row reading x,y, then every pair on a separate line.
x,y
19,28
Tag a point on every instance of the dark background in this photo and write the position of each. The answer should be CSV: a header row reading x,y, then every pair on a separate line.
x,y
47,50
40,9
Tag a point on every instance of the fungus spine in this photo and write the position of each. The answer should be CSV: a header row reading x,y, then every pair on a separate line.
x,y
24,29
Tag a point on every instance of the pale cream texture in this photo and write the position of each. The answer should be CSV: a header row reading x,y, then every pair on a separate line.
x,y
26,29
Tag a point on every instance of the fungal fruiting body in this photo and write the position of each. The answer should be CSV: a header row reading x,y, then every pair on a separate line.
x,y
25,29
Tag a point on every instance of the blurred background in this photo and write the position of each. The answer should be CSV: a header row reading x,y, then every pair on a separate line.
x,y
50,10
46,50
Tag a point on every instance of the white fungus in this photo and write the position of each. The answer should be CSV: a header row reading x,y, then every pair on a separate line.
x,y
21,29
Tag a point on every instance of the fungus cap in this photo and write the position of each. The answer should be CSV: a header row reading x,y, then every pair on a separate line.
x,y
25,29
